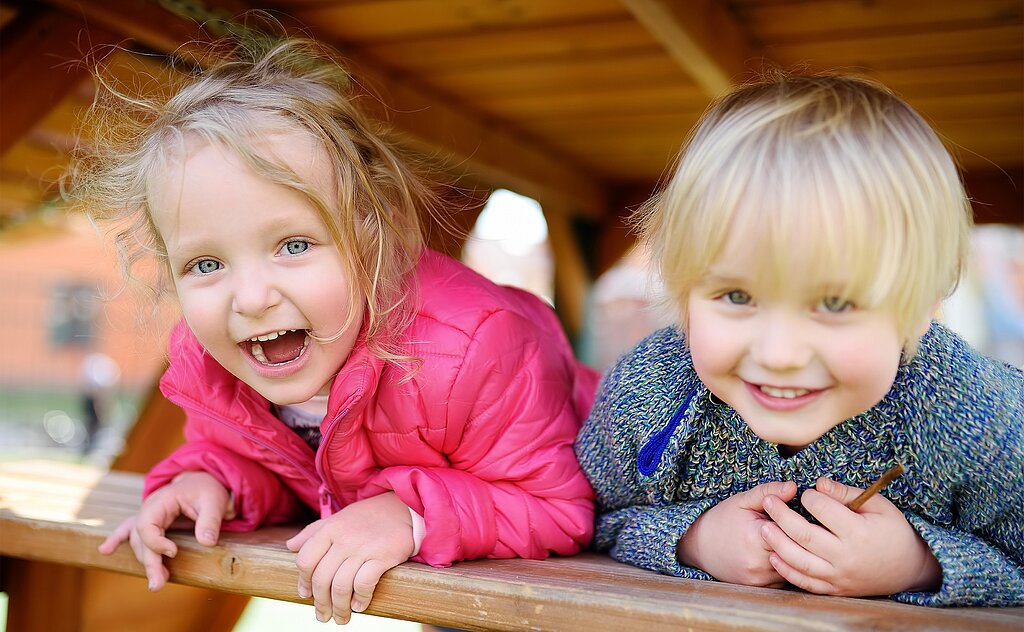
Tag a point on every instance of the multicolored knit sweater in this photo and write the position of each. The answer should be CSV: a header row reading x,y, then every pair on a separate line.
x,y
659,450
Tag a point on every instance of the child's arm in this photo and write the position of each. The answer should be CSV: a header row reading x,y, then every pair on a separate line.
x,y
513,487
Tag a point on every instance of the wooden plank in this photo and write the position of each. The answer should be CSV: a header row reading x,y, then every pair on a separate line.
x,y
372,22
702,37
624,71
491,49
606,101
1005,105
586,592
929,49
791,20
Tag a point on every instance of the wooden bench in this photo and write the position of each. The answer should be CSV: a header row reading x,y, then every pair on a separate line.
x,y
51,512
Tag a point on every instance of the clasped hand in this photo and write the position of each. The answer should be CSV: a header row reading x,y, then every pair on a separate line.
x,y
754,538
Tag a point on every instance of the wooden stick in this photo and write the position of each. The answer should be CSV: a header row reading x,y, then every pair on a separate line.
x,y
890,475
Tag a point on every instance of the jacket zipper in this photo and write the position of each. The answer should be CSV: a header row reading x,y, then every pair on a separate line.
x,y
328,505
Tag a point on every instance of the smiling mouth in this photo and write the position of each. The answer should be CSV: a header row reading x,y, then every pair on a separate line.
x,y
278,348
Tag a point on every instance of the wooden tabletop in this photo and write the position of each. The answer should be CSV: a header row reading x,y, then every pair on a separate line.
x,y
59,513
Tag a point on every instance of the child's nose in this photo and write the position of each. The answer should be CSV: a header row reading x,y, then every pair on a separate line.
x,y
781,344
254,294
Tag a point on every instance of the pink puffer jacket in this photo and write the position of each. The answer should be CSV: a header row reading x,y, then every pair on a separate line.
x,y
479,442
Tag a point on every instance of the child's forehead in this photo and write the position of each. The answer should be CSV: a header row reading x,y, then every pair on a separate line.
x,y
792,248
286,148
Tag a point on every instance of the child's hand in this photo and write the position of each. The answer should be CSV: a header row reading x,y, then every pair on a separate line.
x,y
195,495
726,540
341,558
871,551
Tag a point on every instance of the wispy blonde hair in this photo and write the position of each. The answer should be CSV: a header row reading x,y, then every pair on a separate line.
x,y
258,85
840,159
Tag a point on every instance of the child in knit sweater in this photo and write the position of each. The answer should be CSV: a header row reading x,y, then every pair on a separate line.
x,y
810,229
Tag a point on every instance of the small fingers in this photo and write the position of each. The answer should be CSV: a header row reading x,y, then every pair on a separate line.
x,y
298,540
328,579
310,553
837,491
804,534
152,563
753,499
799,579
153,538
365,582
208,521
792,554
118,537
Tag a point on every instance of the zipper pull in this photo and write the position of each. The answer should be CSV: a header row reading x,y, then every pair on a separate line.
x,y
326,501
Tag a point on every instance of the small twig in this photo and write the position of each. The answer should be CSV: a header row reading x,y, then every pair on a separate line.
x,y
890,475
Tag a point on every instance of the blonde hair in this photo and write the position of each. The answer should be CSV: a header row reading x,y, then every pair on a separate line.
x,y
266,84
841,159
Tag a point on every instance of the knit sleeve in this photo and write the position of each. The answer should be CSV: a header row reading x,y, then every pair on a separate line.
x,y
968,445
975,570
629,446
647,535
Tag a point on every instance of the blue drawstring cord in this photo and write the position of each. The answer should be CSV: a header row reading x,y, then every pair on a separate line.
x,y
650,454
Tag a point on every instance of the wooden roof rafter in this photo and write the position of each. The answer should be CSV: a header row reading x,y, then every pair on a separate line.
x,y
702,37
427,122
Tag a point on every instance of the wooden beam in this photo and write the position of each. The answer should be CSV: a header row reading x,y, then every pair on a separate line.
x,y
55,512
461,139
39,52
702,37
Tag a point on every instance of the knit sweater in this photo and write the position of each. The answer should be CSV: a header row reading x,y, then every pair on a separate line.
x,y
660,450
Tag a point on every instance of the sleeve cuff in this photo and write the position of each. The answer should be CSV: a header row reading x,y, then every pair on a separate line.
x,y
419,530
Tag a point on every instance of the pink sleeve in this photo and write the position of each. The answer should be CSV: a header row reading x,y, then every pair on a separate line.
x,y
514,487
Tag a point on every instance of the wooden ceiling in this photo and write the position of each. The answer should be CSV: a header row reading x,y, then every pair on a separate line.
x,y
579,103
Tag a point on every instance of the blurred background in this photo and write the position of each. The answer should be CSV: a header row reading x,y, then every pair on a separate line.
x,y
551,119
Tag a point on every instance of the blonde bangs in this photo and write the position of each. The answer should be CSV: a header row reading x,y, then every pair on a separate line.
x,y
832,178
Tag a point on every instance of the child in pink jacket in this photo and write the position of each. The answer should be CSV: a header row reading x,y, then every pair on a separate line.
x,y
327,360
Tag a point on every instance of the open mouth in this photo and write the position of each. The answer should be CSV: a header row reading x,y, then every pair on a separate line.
x,y
278,347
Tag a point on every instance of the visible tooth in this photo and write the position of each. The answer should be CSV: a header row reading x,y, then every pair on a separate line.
x,y
282,332
784,393
257,352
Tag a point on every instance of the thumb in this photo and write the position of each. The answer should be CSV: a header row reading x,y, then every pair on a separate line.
x,y
753,499
837,491
208,521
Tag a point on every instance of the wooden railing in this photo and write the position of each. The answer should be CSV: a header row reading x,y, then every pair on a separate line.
x,y
58,513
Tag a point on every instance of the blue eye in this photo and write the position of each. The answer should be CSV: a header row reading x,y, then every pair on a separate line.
x,y
206,266
834,305
737,297
295,247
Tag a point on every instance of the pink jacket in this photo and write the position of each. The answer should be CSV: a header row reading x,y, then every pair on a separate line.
x,y
479,442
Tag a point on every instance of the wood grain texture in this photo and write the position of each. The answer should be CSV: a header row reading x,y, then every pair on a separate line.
x,y
59,513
